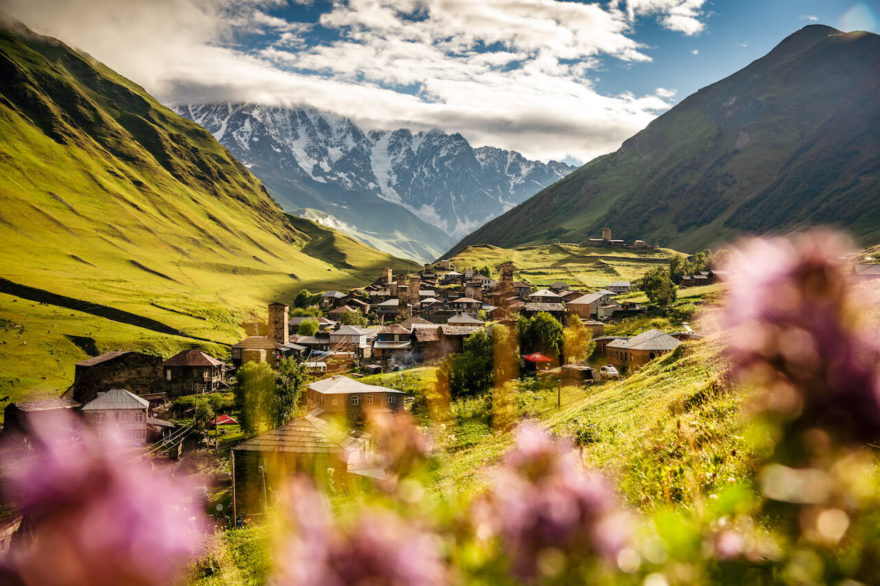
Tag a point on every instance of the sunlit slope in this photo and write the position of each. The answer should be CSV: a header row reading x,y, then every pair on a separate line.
x,y
576,264
788,142
108,198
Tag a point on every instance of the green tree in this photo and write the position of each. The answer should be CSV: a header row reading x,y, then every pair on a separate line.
x,y
310,311
577,341
353,318
659,287
204,413
471,372
254,392
542,333
290,383
305,298
677,268
308,327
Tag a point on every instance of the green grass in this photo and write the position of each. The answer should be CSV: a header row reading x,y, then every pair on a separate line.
x,y
110,198
579,265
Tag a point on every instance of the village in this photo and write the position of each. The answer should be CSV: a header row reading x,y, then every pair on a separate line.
x,y
395,323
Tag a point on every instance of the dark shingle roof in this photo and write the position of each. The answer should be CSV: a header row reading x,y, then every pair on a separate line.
x,y
305,435
192,358
459,330
260,342
544,307
46,405
103,358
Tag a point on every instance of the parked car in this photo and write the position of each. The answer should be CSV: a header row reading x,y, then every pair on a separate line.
x,y
608,372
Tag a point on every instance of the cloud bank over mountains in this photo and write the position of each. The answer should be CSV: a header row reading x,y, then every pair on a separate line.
x,y
519,74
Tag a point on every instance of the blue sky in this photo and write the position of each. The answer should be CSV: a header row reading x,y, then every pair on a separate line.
x,y
552,79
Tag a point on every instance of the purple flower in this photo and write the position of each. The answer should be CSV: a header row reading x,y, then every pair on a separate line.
x,y
796,329
399,445
99,513
378,549
541,500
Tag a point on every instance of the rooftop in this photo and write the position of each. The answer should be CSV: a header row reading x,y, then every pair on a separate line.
x,y
260,342
650,340
304,435
543,307
103,358
192,358
46,405
342,385
116,399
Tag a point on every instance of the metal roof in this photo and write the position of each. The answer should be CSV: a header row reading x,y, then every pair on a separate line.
x,y
544,293
650,340
389,345
463,318
116,399
342,385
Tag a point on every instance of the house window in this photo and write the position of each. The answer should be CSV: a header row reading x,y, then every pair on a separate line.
x,y
369,399
99,418
355,400
167,374
335,401
391,399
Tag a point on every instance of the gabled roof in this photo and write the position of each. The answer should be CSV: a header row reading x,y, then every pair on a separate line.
x,y
192,358
559,285
587,299
342,385
259,342
342,309
390,303
392,345
103,358
620,284
466,300
46,405
544,293
650,340
459,330
866,269
349,331
417,322
304,435
333,294
115,399
543,307
463,318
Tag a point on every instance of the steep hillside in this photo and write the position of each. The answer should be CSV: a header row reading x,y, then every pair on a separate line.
x,y
789,141
405,192
123,224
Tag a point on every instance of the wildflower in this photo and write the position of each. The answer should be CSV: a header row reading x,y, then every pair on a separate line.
x,y
379,548
542,501
796,330
99,515
399,445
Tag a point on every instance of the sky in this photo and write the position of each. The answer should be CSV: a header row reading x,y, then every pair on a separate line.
x,y
565,80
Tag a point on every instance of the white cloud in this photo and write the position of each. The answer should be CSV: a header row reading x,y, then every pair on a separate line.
x,y
510,73
695,52
810,17
685,16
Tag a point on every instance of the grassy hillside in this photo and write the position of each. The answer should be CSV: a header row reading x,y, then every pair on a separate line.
x,y
112,205
789,141
576,264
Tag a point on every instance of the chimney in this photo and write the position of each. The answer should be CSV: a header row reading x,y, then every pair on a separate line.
x,y
278,318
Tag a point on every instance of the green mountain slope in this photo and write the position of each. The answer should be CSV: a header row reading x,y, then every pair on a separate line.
x,y
789,141
124,225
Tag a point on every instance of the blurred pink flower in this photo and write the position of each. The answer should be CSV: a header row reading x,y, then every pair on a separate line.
x,y
399,445
379,549
795,328
541,499
100,515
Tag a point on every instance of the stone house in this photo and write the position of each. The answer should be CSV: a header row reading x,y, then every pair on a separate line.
x,y
117,408
307,445
544,296
633,353
557,310
343,397
192,371
141,373
21,417
620,287
588,305
393,342
257,349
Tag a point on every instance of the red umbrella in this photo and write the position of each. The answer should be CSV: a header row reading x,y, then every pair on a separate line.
x,y
224,420
537,357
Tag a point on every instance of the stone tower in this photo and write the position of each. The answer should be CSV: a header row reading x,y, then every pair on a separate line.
x,y
387,276
414,286
505,281
278,318
606,233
